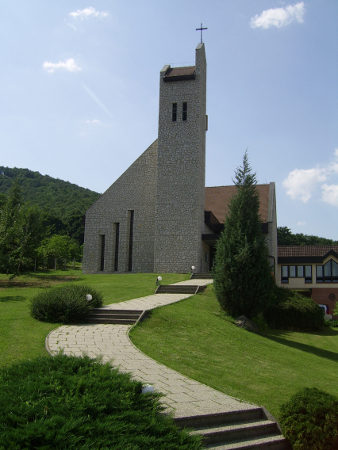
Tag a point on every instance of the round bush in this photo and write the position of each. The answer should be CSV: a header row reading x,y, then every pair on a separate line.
x,y
66,304
78,403
294,311
310,420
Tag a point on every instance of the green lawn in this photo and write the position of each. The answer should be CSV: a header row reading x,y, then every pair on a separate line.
x,y
194,338
22,337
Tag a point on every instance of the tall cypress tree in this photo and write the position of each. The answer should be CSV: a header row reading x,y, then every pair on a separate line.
x,y
242,275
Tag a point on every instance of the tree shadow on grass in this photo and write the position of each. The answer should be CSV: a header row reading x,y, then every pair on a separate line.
x,y
306,348
12,298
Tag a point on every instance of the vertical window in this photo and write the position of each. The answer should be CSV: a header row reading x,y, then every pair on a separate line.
x,y
117,238
292,271
308,274
285,274
334,272
184,111
102,245
327,272
300,271
174,113
131,232
319,274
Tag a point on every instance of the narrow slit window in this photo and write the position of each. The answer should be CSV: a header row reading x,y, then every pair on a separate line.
x,y
102,245
117,239
131,237
308,274
184,111
174,112
285,274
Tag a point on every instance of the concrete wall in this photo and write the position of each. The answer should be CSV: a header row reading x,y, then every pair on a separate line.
x,y
133,191
179,214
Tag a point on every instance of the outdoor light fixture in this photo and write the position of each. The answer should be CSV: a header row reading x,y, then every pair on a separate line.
x,y
158,280
193,268
147,389
88,297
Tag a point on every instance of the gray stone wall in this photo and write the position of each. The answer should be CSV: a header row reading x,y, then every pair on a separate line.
x,y
179,215
133,191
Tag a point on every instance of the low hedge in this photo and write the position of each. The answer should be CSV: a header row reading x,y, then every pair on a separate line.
x,y
79,403
310,420
293,311
66,304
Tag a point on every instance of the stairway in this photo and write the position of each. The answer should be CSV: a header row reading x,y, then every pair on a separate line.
x,y
201,276
114,316
179,289
240,430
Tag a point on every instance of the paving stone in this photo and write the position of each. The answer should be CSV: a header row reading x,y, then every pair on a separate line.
x,y
111,342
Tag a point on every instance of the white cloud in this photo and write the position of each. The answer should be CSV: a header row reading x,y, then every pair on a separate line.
x,y
330,194
301,224
87,12
300,184
69,65
279,17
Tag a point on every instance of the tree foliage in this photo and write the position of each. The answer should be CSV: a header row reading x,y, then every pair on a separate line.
x,y
63,204
242,275
21,231
286,237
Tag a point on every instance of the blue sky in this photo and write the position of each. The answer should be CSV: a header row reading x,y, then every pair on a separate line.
x,y
79,92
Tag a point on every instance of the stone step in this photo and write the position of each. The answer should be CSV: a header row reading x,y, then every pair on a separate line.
x,y
246,429
111,321
179,289
265,443
114,316
201,276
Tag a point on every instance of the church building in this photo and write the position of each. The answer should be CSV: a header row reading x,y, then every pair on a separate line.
x,y
159,216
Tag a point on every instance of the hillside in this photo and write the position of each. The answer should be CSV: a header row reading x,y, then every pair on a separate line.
x,y
60,198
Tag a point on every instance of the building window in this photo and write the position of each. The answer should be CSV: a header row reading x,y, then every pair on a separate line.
x,y
285,274
174,113
102,246
117,238
131,237
296,272
328,273
184,111
308,274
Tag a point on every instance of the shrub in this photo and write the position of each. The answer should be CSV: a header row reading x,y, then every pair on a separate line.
x,y
67,304
310,420
293,311
78,403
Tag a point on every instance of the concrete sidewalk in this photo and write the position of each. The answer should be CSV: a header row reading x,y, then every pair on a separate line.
x,y
184,396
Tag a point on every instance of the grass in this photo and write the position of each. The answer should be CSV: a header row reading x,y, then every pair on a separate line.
x,y
195,338
22,337
78,403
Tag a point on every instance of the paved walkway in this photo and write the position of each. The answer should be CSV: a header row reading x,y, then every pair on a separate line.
x,y
184,396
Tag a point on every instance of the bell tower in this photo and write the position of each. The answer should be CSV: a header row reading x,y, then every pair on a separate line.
x,y
180,185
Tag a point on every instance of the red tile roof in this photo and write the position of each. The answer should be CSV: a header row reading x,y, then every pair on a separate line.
x,y
305,250
217,200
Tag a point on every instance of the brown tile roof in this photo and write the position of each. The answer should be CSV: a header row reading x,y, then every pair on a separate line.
x,y
288,251
217,199
180,71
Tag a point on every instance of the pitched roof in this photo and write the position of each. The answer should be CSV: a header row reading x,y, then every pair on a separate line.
x,y
217,200
291,251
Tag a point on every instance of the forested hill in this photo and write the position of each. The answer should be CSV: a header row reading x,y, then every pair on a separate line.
x,y
60,198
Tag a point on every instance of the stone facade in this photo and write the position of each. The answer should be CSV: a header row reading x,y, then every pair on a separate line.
x,y
179,216
152,218
133,191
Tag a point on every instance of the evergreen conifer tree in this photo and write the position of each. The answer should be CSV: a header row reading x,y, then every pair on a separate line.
x,y
242,275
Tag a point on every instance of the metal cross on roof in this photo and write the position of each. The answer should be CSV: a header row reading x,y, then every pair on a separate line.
x,y
201,29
